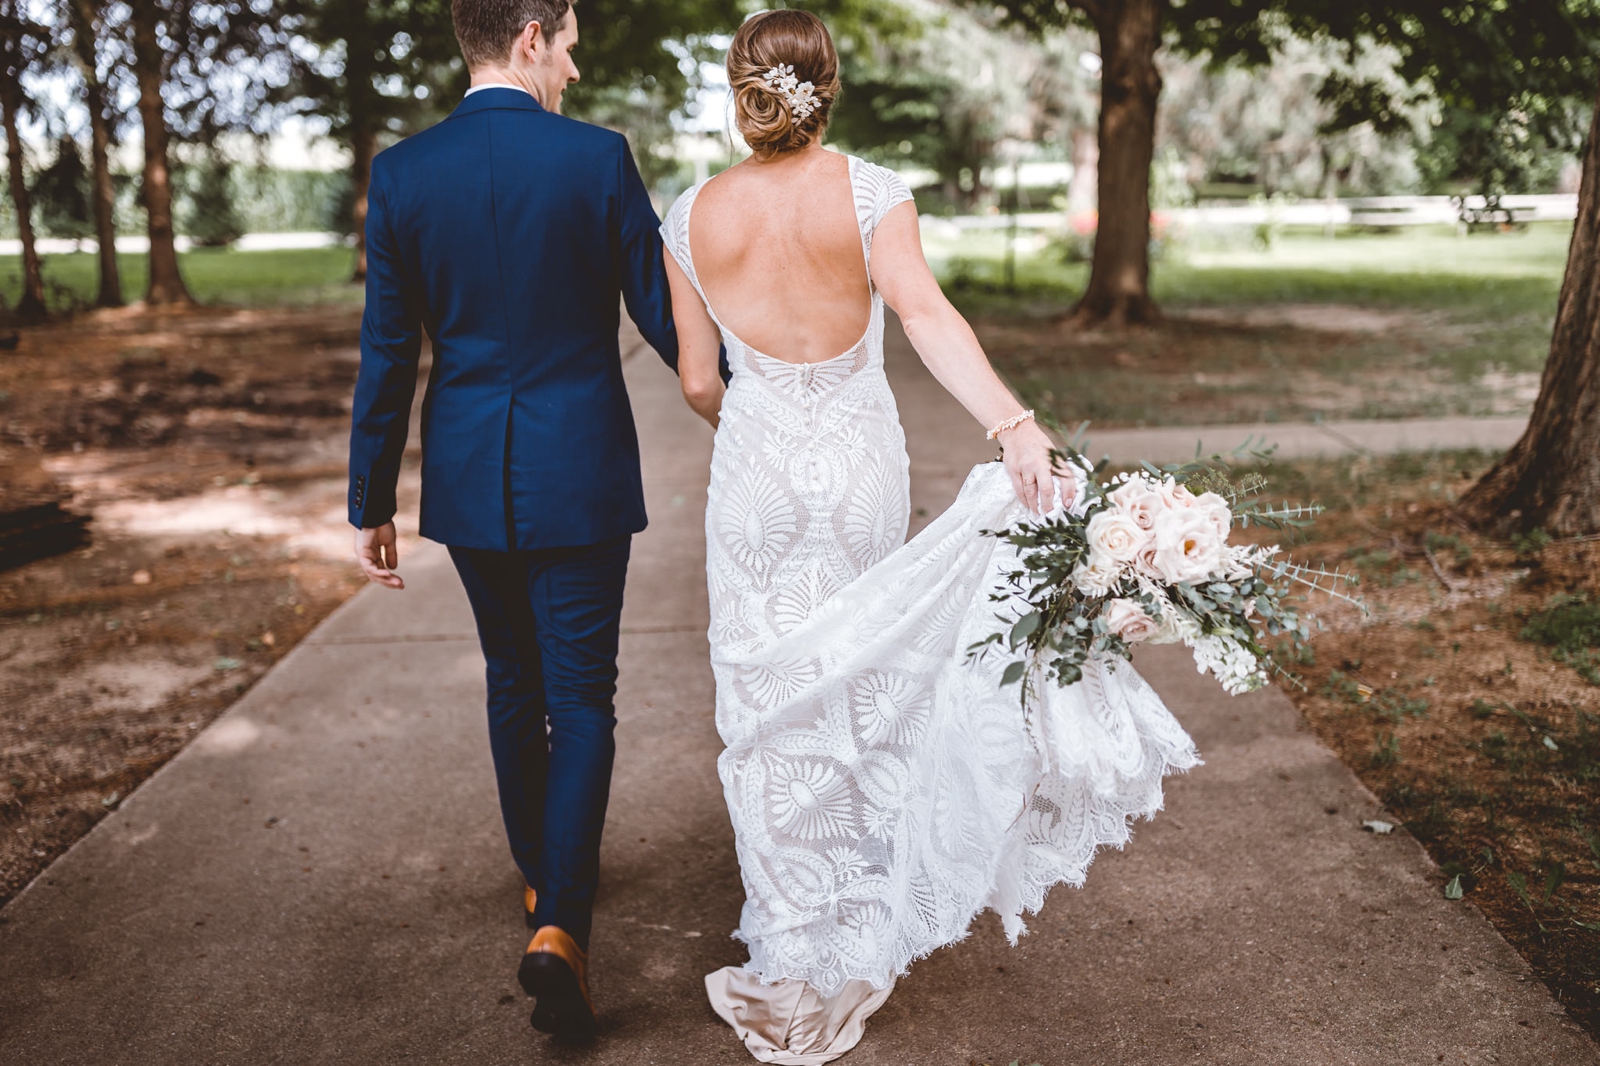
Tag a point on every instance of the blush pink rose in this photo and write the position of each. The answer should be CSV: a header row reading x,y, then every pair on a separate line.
x,y
1176,495
1187,547
1115,536
1216,509
1128,620
1137,499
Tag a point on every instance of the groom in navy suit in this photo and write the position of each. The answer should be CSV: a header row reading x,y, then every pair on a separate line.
x,y
511,235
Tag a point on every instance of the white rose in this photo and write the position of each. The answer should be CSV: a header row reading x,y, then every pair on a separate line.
x,y
1127,620
1115,536
1139,500
1097,577
1175,495
1216,509
1187,547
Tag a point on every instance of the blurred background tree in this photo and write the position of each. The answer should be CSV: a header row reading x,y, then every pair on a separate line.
x,y
1292,97
61,192
202,69
1508,85
374,70
943,89
24,46
152,32
1266,130
641,67
1379,64
96,66
1511,78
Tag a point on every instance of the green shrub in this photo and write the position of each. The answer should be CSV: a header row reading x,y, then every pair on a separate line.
x,y
1529,543
61,194
213,221
1386,750
1396,706
1568,624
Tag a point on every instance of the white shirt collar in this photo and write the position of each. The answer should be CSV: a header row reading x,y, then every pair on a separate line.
x,y
496,85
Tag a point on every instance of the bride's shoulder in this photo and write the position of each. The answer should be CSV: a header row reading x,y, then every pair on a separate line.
x,y
878,188
678,212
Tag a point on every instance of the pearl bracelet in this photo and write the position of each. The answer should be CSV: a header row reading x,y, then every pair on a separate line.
x,y
1011,423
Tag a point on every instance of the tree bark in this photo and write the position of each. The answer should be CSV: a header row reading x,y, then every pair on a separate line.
x,y
363,146
85,16
1119,275
1550,479
166,281
363,124
31,307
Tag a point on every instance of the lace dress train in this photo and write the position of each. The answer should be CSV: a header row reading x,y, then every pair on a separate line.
x,y
883,789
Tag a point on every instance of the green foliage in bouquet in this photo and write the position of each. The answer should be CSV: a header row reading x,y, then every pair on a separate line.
x,y
1144,558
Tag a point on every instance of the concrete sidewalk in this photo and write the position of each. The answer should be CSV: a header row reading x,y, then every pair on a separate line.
x,y
321,878
1306,440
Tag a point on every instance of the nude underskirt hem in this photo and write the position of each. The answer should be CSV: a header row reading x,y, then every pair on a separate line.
x,y
788,1021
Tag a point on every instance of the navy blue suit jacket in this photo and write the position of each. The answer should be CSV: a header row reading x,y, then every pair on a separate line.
x,y
512,235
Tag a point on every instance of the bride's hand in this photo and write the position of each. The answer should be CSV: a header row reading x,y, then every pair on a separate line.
x,y
1027,458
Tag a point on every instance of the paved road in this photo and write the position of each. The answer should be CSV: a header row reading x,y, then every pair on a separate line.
x,y
320,876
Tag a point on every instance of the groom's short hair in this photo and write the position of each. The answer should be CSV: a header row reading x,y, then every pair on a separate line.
x,y
486,29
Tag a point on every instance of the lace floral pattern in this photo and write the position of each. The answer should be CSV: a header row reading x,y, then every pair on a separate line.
x,y
883,790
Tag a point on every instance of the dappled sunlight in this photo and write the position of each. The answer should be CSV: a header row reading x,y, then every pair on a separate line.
x,y
230,736
239,510
1321,318
140,683
1539,251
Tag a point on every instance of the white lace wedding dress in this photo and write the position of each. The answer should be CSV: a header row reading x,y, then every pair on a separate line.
x,y
883,789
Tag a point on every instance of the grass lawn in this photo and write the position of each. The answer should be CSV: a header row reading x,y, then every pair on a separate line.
x,y
215,276
1389,325
1419,323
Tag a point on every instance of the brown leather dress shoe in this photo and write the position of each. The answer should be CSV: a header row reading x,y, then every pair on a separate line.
x,y
555,971
529,898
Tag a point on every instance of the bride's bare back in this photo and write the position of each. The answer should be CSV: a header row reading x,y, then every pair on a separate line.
x,y
777,250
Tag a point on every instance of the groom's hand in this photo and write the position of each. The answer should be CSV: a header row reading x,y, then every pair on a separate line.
x,y
378,553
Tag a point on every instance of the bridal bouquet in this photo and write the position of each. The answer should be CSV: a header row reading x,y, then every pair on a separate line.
x,y
1145,557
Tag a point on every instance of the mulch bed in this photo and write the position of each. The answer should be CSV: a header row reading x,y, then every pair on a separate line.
x,y
117,647
1468,700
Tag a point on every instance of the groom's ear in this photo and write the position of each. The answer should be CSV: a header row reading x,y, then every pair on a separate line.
x,y
530,42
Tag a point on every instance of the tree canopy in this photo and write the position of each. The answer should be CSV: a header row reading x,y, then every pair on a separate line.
x,y
1509,77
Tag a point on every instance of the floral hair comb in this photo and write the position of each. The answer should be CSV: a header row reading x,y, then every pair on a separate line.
x,y
800,95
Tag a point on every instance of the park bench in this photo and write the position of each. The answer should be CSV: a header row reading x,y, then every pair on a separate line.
x,y
1491,213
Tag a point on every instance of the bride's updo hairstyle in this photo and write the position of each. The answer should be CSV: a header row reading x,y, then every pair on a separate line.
x,y
785,37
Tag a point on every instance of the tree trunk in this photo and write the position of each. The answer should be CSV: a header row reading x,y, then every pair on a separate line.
x,y
166,281
1550,479
85,15
31,308
363,146
1119,276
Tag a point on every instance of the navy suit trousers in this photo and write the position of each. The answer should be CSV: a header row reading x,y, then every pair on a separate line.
x,y
548,620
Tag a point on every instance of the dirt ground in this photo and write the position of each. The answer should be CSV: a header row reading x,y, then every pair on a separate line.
x,y
207,448
1451,703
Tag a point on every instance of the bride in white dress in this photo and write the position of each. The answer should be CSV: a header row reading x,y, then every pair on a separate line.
x,y
883,789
